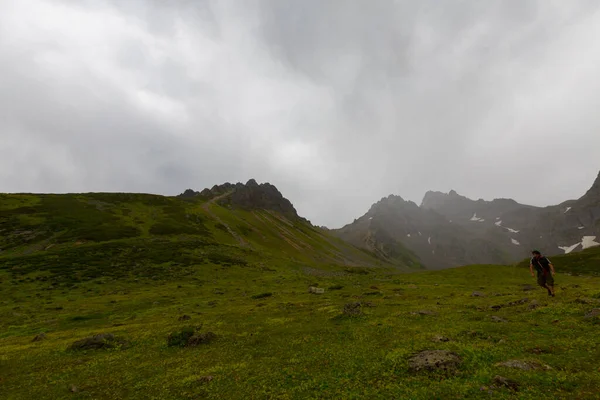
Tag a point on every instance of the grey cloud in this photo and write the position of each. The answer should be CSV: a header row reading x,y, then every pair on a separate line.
x,y
338,103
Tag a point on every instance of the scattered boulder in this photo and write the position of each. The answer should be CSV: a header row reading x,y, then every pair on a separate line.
x,y
501,381
434,360
316,290
518,302
510,304
39,337
206,379
533,305
524,365
353,309
527,288
184,318
594,313
498,319
477,294
100,341
74,389
440,339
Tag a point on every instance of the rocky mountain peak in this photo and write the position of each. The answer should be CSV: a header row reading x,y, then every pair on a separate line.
x,y
594,191
250,196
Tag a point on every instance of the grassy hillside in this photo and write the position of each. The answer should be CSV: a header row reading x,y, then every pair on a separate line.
x,y
150,269
79,237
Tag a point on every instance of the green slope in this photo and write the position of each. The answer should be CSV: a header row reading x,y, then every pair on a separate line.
x,y
78,237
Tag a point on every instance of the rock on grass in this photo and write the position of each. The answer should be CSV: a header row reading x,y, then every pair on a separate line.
x,y
524,365
594,313
501,381
424,312
100,341
498,319
434,360
39,338
353,309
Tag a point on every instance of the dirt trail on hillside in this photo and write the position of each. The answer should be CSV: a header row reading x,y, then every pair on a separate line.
x,y
206,207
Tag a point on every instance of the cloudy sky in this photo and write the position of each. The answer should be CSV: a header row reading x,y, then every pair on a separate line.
x,y
336,102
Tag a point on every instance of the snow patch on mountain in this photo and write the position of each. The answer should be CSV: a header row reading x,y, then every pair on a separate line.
x,y
567,210
512,230
498,223
475,218
589,241
515,242
568,249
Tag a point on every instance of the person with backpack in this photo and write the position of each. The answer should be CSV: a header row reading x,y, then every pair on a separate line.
x,y
545,271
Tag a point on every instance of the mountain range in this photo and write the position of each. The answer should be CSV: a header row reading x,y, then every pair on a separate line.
x,y
445,230
448,229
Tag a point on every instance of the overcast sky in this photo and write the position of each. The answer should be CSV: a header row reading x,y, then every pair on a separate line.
x,y
337,103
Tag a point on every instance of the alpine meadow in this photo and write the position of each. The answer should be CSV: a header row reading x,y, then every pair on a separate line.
x,y
215,295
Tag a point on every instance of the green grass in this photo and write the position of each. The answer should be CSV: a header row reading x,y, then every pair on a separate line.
x,y
273,339
293,344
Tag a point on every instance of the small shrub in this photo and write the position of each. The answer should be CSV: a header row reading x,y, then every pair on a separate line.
x,y
189,337
262,295
180,339
359,271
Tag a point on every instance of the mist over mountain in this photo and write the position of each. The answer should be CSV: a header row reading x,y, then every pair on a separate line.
x,y
448,229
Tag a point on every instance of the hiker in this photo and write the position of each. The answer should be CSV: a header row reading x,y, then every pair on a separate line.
x,y
545,271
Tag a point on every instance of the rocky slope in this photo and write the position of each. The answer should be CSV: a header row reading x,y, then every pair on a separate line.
x,y
249,196
448,229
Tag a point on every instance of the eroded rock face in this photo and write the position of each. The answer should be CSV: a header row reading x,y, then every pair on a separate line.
x,y
250,196
434,360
